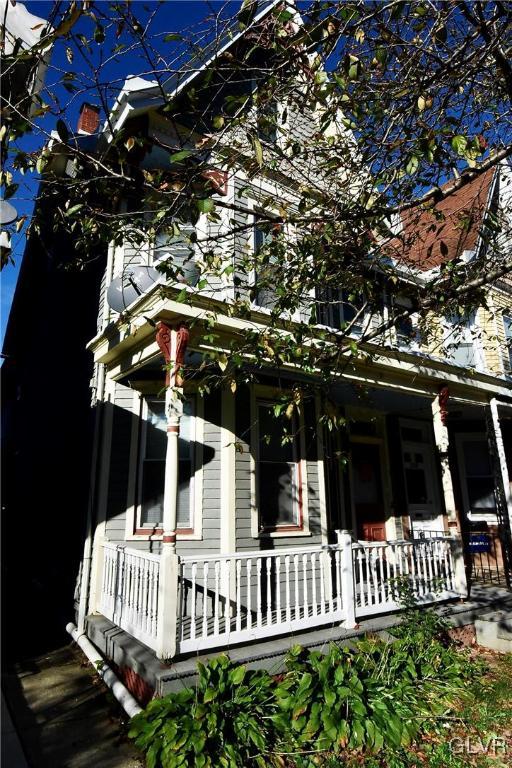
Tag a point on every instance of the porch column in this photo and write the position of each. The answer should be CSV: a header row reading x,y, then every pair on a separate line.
x,y
503,504
500,450
173,344
440,418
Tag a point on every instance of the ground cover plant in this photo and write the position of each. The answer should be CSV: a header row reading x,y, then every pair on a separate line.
x,y
380,702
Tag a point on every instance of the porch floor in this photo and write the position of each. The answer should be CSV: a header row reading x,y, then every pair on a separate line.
x,y
125,651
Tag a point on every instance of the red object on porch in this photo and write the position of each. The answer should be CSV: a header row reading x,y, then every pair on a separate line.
x,y
374,531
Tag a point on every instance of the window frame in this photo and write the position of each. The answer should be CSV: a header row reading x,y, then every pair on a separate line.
x,y
268,396
253,277
135,530
507,356
341,301
467,335
473,517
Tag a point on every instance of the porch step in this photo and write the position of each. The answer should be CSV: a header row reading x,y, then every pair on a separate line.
x,y
494,631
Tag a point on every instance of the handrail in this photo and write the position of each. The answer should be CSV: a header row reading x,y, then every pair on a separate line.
x,y
131,551
245,555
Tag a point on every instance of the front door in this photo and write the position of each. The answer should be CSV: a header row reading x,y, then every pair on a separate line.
x,y
367,492
420,488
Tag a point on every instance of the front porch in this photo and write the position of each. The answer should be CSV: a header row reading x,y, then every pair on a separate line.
x,y
245,597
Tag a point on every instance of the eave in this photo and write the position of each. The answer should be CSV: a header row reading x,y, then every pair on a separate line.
x,y
125,346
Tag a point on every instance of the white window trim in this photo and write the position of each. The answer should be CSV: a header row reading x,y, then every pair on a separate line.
x,y
289,234
473,517
133,505
263,395
506,351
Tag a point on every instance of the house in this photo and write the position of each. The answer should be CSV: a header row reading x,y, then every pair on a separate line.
x,y
203,535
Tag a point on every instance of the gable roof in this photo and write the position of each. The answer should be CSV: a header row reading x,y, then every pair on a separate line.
x,y
138,94
434,235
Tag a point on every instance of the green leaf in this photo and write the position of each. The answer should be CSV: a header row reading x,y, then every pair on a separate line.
x,y
74,209
412,164
238,675
172,36
210,694
179,156
205,205
258,150
459,144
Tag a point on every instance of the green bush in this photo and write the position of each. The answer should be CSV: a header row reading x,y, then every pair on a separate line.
x,y
374,699
220,724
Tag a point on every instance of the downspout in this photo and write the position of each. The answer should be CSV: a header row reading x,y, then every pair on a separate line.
x,y
121,693
87,556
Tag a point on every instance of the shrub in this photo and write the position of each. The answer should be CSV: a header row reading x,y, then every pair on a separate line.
x,y
374,698
220,724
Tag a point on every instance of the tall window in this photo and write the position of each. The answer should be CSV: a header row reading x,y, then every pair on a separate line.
x,y
278,471
153,445
173,247
264,293
267,119
507,322
459,340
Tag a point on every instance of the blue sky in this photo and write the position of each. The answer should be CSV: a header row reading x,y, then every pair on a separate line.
x,y
170,16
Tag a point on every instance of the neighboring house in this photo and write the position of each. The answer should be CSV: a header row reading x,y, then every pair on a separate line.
x,y
24,63
47,431
201,534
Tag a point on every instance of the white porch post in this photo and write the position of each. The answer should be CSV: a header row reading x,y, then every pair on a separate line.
x,y
498,437
172,342
439,415
347,579
505,509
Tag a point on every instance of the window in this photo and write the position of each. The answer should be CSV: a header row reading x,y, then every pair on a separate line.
x,y
459,341
507,323
173,247
406,329
153,446
264,270
267,118
477,479
338,308
279,494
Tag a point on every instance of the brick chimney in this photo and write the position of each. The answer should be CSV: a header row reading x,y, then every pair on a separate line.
x,y
89,119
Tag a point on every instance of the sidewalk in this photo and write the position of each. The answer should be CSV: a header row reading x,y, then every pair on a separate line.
x,y
63,716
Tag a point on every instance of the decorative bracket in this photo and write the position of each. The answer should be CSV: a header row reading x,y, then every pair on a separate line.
x,y
173,345
444,396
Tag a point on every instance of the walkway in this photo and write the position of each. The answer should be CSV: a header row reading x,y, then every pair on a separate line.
x,y
63,715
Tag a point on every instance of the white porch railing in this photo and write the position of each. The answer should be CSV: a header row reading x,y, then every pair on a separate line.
x,y
424,567
129,593
253,595
248,596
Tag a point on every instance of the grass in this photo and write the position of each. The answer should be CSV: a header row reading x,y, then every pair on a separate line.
x,y
477,733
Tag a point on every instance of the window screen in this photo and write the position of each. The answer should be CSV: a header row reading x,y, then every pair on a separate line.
x,y
277,472
265,295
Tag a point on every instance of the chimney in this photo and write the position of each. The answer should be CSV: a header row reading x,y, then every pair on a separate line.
x,y
89,119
